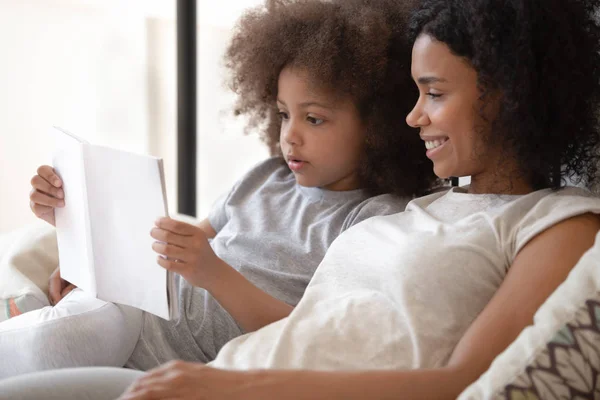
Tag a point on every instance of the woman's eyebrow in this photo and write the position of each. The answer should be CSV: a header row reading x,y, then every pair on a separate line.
x,y
427,80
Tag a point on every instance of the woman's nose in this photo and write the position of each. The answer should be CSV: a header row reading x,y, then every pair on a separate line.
x,y
417,117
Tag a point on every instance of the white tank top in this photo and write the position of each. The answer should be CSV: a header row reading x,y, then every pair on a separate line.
x,y
399,291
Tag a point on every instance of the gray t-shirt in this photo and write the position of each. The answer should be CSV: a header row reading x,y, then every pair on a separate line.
x,y
275,233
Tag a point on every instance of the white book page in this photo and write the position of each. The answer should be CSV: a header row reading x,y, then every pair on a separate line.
x,y
125,195
72,229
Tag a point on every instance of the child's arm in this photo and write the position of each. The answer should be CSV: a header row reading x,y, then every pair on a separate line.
x,y
207,228
248,305
190,255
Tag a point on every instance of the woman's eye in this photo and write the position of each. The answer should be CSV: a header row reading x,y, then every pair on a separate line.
x,y
314,121
282,115
433,95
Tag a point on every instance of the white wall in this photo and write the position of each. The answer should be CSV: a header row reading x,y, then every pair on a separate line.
x,y
81,67
105,69
224,153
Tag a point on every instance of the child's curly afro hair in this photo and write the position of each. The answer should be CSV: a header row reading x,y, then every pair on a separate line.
x,y
355,48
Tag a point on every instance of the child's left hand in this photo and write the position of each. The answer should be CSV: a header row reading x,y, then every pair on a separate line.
x,y
187,250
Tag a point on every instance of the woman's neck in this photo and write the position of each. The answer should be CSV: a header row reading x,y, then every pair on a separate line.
x,y
499,183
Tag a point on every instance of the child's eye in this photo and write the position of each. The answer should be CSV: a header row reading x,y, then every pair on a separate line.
x,y
283,115
314,120
433,95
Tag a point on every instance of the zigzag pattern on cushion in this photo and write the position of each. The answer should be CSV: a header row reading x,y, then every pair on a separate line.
x,y
569,366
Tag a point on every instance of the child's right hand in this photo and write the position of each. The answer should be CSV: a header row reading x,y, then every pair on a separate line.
x,y
46,194
58,287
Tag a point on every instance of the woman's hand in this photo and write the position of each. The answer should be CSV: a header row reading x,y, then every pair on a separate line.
x,y
184,249
58,287
193,381
185,380
46,194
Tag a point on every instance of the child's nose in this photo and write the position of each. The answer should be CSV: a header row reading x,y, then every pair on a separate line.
x,y
292,134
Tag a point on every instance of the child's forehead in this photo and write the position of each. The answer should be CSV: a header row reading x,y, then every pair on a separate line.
x,y
299,82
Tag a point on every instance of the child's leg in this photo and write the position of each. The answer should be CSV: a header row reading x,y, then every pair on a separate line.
x,y
77,383
203,328
79,331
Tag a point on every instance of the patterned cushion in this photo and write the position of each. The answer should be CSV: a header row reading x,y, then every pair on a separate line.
x,y
569,366
558,357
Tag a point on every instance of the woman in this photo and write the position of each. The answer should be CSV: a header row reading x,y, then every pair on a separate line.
x,y
418,304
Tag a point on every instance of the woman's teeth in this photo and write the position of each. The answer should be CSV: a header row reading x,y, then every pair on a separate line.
x,y
433,144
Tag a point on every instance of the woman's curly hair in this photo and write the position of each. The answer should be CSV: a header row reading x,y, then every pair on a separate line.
x,y
543,58
356,48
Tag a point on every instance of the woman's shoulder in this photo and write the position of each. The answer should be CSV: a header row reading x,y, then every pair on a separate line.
x,y
536,212
555,204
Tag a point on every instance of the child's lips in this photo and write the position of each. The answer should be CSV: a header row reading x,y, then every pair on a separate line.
x,y
295,164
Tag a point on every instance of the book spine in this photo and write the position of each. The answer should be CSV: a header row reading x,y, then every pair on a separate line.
x,y
161,171
88,227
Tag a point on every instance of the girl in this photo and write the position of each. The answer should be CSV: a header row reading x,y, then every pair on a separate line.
x,y
330,83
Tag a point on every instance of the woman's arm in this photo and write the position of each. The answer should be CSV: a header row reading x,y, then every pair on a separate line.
x,y
540,267
186,380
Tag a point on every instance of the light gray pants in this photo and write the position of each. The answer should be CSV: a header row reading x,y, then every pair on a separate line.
x,y
69,384
79,331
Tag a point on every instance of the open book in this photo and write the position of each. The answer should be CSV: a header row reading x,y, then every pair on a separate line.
x,y
112,199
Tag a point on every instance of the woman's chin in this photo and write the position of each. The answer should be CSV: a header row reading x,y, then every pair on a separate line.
x,y
442,171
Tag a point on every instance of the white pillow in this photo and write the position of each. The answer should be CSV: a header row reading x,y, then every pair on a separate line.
x,y
558,357
27,258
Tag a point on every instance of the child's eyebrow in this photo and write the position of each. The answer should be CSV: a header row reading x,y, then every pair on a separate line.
x,y
311,103
315,103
